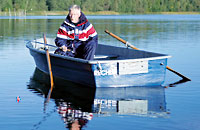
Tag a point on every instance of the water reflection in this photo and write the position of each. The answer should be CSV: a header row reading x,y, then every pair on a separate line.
x,y
78,104
176,83
73,103
139,30
140,101
170,35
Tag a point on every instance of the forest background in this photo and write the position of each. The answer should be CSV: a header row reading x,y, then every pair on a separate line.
x,y
57,7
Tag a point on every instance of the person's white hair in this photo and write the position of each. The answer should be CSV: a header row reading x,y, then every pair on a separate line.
x,y
74,7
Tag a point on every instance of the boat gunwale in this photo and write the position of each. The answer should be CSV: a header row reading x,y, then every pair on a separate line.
x,y
29,44
128,60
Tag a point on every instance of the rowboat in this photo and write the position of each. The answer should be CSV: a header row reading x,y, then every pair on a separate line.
x,y
111,67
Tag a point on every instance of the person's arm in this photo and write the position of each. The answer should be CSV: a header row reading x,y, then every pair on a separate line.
x,y
61,43
60,38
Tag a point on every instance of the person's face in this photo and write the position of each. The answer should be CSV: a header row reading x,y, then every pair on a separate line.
x,y
75,125
74,15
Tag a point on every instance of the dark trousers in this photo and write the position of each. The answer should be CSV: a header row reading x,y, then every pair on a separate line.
x,y
85,51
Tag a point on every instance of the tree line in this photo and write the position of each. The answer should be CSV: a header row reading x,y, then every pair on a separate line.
x,y
121,6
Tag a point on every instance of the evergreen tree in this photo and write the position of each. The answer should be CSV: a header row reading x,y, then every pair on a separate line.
x,y
53,5
6,5
88,5
32,5
42,5
115,5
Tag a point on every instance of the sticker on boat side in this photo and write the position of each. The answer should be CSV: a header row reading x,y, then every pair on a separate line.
x,y
133,67
121,68
105,72
105,69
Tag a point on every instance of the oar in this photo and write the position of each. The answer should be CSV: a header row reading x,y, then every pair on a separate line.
x,y
51,45
50,71
133,47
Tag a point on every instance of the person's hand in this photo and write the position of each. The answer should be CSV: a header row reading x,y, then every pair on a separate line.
x,y
64,48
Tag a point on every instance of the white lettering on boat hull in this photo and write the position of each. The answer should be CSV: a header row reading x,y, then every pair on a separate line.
x,y
121,68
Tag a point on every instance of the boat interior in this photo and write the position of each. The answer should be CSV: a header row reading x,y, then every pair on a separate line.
x,y
103,52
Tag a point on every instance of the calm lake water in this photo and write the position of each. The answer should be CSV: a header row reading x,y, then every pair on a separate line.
x,y
149,108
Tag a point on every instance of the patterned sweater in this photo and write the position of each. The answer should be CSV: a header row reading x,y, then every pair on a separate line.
x,y
73,35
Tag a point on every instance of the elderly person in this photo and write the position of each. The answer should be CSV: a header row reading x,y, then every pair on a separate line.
x,y
76,36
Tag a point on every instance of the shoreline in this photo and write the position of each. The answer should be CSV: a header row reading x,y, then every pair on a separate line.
x,y
57,13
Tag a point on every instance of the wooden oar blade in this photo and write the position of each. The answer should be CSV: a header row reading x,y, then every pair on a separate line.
x,y
50,70
182,76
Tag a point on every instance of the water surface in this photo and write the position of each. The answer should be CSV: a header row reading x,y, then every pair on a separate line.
x,y
168,108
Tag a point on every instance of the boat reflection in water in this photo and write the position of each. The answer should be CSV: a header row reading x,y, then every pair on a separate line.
x,y
74,103
78,104
140,101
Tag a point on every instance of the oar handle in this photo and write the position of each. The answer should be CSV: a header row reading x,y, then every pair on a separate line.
x,y
49,45
121,40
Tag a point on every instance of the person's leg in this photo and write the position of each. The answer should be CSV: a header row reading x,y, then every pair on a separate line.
x,y
89,50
